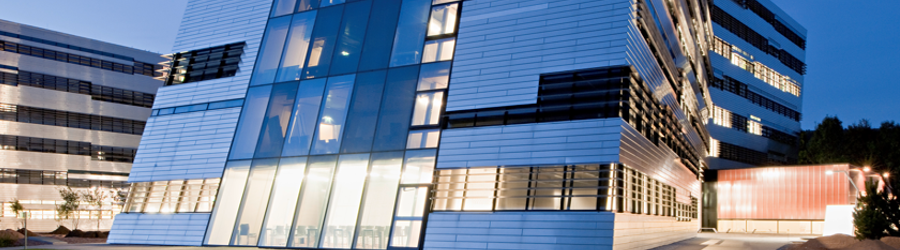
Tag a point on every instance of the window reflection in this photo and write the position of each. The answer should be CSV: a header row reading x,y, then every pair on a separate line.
x,y
443,20
303,122
438,50
283,7
251,122
411,29
275,122
283,201
343,207
296,47
270,51
423,139
246,231
428,108
333,115
313,200
378,204
325,33
221,221
434,76
304,5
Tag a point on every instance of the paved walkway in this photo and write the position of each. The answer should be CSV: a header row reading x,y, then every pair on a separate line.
x,y
733,241
703,241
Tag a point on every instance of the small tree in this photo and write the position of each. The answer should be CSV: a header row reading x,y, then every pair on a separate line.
x,y
96,197
70,204
870,218
17,208
62,213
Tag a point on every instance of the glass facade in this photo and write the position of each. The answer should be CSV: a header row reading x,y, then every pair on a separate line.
x,y
335,145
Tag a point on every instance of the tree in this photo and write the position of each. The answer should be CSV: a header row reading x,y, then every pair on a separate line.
x,y
71,204
16,208
826,145
870,218
96,197
62,213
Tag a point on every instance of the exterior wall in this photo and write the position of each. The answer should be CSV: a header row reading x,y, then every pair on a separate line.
x,y
635,231
504,46
571,142
520,230
658,163
190,145
159,229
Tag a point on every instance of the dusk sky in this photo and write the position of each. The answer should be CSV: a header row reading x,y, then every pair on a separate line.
x,y
852,46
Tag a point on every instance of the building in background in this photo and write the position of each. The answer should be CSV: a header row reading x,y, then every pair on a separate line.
x,y
72,111
411,124
757,56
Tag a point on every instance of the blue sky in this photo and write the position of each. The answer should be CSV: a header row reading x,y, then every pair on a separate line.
x,y
853,47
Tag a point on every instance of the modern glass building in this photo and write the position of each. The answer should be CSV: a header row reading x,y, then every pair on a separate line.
x,y
757,56
72,111
427,124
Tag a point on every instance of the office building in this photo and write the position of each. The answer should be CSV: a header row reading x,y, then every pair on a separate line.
x,y
72,111
758,64
427,124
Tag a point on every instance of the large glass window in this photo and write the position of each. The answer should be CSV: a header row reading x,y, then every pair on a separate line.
x,y
304,5
192,196
428,108
378,203
423,138
288,180
363,112
406,233
434,76
410,33
396,109
328,23
439,50
313,200
283,7
443,20
221,223
270,51
350,40
411,201
331,2
251,121
334,113
253,207
340,223
275,123
303,121
380,35
419,166
296,47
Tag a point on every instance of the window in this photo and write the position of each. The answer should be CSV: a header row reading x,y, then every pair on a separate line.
x,y
275,122
443,20
205,64
393,121
288,181
190,196
333,115
363,113
343,206
33,115
140,68
434,76
380,35
298,140
253,206
350,39
250,123
754,127
721,117
378,203
296,47
410,35
324,38
97,92
438,50
423,139
272,45
97,152
313,201
428,108
221,222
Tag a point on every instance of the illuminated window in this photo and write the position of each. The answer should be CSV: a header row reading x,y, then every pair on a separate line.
x,y
423,139
721,117
443,20
754,127
713,148
438,50
428,108
177,196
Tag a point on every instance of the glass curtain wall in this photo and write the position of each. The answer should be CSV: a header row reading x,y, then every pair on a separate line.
x,y
338,93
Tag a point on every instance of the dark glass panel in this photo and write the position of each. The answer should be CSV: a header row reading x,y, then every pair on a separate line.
x,y
396,109
380,35
275,123
363,112
324,37
410,35
303,121
350,40
269,54
251,121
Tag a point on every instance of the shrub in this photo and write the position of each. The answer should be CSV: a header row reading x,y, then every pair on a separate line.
x,y
75,233
29,234
7,240
91,234
61,230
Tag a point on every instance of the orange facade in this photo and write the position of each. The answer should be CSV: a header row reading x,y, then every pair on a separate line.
x,y
784,193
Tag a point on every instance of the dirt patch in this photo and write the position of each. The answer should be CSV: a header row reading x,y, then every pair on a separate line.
x,y
869,245
12,234
837,241
892,241
74,240
812,244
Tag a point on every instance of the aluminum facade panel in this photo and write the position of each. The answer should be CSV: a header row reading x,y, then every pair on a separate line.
x,y
138,55
159,229
58,162
185,146
519,230
504,46
65,101
658,162
570,142
95,137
